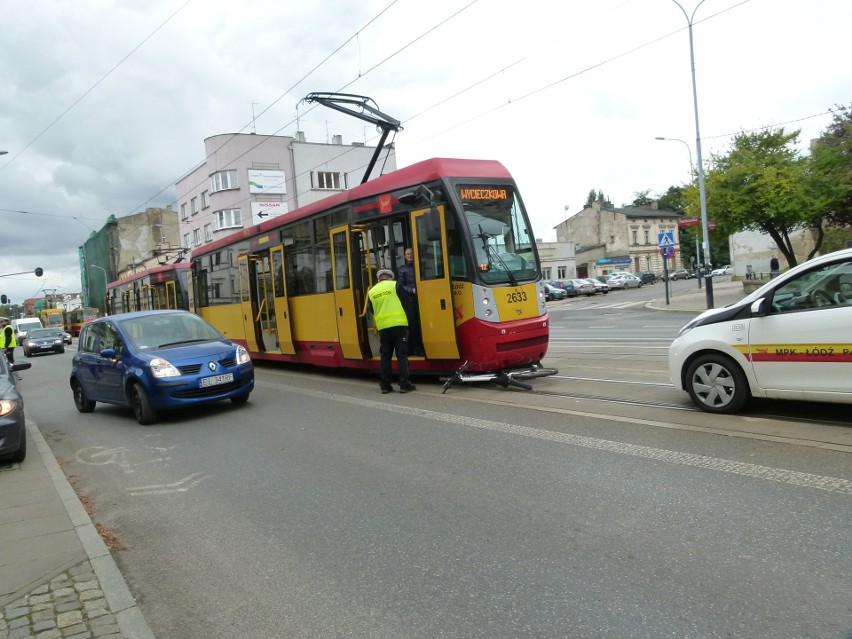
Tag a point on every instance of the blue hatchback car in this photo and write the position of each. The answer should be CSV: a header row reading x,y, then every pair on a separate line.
x,y
155,361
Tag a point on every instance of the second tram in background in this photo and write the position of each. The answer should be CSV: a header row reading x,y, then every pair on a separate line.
x,y
75,319
293,288
164,286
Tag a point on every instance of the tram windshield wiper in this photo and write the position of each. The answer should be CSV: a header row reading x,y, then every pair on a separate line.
x,y
491,251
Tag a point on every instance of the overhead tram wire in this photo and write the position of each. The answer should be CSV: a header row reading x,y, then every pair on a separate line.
x,y
274,102
94,86
348,84
557,82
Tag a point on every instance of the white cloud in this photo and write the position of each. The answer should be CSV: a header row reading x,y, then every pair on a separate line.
x,y
474,86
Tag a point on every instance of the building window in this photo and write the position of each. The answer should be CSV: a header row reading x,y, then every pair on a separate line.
x,y
647,236
196,236
545,272
194,205
228,219
560,272
224,180
183,215
187,242
205,199
208,232
325,180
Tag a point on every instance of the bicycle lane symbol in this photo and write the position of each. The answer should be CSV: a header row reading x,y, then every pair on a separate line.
x,y
119,455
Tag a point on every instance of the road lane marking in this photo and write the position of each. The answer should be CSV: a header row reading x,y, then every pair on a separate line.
x,y
791,477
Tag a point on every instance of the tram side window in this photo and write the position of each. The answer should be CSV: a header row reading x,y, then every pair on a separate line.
x,y
299,259
455,254
430,253
322,254
341,261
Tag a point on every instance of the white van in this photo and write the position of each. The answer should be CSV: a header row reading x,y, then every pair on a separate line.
x,y
21,326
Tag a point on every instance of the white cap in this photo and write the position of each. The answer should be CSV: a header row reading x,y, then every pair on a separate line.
x,y
384,274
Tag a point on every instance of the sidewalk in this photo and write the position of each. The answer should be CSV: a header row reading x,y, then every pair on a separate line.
x,y
725,291
58,580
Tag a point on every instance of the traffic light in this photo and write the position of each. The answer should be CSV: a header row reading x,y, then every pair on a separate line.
x,y
39,271
4,299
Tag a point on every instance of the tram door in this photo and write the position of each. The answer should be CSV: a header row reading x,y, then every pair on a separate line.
x,y
171,295
243,273
434,289
345,309
280,304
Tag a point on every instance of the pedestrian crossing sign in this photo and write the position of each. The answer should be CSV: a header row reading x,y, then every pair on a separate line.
x,y
666,239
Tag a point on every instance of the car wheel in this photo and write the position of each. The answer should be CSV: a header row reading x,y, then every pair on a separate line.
x,y
26,353
81,400
240,399
717,384
61,350
21,454
141,407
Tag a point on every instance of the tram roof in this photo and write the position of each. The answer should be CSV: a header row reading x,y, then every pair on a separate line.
x,y
412,175
148,271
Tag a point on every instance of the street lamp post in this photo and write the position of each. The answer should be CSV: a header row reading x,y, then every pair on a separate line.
x,y
691,167
701,193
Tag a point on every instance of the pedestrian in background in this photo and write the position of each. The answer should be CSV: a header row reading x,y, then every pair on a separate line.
x,y
392,324
774,268
7,339
408,282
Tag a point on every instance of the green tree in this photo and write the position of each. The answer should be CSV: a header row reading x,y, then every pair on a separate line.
x,y
643,198
828,183
758,186
595,195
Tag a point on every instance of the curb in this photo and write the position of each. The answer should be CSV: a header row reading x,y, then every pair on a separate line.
x,y
121,602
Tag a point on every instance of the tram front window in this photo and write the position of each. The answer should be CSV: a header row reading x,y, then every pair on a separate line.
x,y
500,232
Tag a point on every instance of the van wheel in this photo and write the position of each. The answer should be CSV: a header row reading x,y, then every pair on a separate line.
x,y
717,384
141,407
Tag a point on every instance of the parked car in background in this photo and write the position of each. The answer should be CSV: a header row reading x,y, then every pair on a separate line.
x,y
648,277
789,339
601,287
724,270
565,285
552,293
154,361
43,340
585,287
678,274
13,430
624,280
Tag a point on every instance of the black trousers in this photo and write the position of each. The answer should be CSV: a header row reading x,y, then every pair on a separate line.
x,y
10,354
394,339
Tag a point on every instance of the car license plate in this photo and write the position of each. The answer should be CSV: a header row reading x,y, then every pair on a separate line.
x,y
215,380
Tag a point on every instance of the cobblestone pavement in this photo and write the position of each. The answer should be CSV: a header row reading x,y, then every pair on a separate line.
x,y
71,606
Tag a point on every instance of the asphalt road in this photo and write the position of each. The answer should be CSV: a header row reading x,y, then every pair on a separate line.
x,y
325,509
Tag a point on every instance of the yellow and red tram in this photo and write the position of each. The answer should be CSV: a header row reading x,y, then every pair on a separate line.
x,y
162,286
293,289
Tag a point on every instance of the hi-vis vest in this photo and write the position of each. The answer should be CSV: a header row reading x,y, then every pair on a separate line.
x,y
387,309
9,332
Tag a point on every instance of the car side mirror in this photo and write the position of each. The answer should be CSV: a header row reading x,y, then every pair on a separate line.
x,y
108,353
758,308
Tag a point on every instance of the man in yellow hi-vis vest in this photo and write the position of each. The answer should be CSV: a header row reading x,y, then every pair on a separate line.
x,y
7,339
392,324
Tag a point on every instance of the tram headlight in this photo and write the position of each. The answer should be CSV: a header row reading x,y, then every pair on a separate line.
x,y
163,368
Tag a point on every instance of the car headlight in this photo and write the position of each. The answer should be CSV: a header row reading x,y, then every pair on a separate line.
x,y
687,327
243,355
7,406
163,368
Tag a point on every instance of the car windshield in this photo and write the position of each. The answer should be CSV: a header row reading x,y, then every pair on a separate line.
x,y
41,333
169,329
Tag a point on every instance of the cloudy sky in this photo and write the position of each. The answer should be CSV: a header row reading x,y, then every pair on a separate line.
x,y
106,103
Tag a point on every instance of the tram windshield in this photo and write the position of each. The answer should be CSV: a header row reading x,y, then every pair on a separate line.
x,y
502,239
